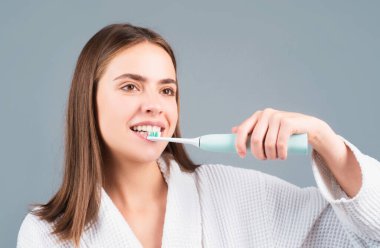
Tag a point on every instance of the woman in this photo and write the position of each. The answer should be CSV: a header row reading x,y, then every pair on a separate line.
x,y
122,190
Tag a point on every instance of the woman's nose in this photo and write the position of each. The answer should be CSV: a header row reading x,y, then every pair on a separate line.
x,y
152,109
152,105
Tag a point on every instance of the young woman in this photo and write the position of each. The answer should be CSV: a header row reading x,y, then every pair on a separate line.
x,y
121,190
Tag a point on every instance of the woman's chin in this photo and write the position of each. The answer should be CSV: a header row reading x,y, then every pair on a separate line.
x,y
148,154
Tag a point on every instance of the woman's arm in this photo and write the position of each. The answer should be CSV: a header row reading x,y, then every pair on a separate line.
x,y
338,158
348,179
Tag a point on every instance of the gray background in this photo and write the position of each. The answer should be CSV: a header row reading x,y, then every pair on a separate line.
x,y
319,58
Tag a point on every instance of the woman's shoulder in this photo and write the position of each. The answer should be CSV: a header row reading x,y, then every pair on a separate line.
x,y
35,232
224,174
32,222
229,187
222,170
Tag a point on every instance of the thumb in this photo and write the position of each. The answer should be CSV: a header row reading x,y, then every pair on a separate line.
x,y
234,129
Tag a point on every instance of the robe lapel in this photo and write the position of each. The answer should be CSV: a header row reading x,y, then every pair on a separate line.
x,y
182,226
110,229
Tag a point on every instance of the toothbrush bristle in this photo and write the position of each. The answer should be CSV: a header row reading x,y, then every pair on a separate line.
x,y
153,134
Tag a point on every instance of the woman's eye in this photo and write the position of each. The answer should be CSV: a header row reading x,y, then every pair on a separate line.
x,y
129,87
132,87
171,91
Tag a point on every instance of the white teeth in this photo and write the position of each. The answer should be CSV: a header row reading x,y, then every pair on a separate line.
x,y
147,128
156,129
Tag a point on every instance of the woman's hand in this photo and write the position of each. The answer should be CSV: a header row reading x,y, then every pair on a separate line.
x,y
270,130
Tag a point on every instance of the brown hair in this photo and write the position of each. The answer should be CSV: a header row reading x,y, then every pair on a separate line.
x,y
76,203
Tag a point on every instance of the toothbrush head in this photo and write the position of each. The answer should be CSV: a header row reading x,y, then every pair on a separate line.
x,y
153,134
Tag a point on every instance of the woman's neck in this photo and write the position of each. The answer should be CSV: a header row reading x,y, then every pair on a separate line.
x,y
133,185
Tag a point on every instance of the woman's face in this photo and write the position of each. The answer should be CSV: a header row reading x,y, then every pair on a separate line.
x,y
138,85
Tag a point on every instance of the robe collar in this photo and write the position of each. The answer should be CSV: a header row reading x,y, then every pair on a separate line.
x,y
182,225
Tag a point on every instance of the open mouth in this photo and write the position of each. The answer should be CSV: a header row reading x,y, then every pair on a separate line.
x,y
143,132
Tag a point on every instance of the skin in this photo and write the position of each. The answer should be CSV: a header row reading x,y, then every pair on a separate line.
x,y
133,179
272,128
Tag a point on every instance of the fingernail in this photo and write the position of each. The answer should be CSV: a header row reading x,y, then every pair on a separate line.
x,y
242,154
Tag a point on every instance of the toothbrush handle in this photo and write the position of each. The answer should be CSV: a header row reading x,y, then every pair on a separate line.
x,y
297,143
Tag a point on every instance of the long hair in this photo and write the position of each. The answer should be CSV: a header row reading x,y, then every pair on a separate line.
x,y
76,203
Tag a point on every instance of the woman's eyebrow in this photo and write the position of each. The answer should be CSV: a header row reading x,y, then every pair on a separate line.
x,y
144,79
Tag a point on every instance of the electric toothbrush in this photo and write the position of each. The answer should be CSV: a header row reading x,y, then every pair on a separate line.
x,y
297,143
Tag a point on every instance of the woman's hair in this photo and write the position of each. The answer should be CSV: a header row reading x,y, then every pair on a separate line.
x,y
75,205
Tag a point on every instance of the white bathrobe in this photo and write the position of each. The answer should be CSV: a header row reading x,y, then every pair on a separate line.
x,y
225,206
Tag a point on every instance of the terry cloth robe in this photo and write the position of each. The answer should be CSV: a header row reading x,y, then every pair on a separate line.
x,y
226,206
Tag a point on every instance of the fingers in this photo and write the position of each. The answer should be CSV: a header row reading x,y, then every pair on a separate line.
x,y
234,129
242,132
270,130
258,135
270,143
282,139
288,126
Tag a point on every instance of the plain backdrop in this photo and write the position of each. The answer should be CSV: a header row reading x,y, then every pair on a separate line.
x,y
319,58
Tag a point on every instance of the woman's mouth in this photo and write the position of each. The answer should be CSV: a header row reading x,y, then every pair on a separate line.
x,y
143,134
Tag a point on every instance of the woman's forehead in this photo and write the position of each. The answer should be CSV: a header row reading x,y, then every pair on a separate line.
x,y
146,59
